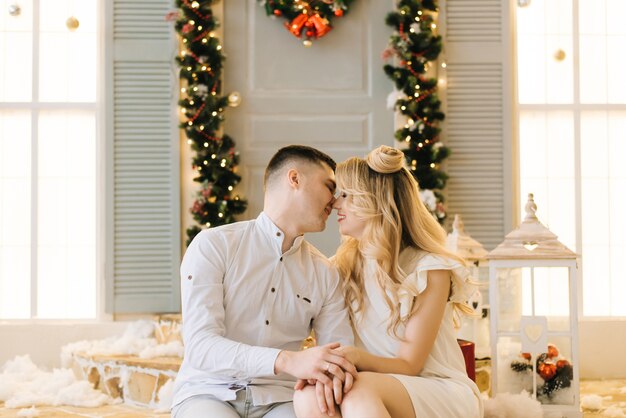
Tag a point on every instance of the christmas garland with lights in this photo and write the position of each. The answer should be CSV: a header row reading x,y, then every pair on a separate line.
x,y
202,113
309,19
415,46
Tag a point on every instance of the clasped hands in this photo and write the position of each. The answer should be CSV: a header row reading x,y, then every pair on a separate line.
x,y
332,369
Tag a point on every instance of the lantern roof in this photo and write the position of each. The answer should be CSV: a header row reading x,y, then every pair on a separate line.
x,y
462,244
531,240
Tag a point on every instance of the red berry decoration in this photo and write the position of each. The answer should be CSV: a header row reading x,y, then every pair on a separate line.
x,y
561,363
552,351
309,33
526,356
547,370
339,12
277,12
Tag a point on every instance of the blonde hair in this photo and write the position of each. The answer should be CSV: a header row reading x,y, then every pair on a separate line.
x,y
381,191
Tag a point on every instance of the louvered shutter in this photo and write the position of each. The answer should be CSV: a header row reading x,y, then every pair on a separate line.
x,y
478,104
143,180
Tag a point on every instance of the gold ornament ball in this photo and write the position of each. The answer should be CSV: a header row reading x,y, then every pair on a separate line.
x,y
15,10
72,23
234,99
559,55
307,43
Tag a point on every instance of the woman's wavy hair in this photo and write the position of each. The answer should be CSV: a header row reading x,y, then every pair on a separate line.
x,y
382,191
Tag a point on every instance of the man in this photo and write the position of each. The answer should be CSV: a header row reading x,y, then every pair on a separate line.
x,y
251,291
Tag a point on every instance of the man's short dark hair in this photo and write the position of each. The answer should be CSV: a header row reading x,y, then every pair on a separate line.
x,y
297,152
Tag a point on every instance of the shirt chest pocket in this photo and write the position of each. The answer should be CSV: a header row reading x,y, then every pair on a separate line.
x,y
294,310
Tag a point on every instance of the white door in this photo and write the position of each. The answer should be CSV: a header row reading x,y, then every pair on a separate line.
x,y
331,96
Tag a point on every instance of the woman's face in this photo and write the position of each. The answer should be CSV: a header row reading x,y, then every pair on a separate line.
x,y
349,223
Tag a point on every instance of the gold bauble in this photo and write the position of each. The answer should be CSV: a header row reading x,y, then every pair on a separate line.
x,y
15,10
72,23
234,99
559,55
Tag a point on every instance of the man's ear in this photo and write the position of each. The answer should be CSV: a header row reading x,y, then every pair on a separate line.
x,y
293,177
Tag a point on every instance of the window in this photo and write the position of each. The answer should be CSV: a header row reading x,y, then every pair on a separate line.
x,y
48,113
572,119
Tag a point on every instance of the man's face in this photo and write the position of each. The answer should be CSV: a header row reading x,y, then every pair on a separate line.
x,y
316,197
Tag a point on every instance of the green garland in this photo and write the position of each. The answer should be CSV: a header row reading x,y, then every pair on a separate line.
x,y
309,19
202,106
415,45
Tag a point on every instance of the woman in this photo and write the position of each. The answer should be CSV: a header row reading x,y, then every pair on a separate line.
x,y
404,291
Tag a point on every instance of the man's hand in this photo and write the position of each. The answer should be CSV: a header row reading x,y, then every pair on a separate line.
x,y
315,363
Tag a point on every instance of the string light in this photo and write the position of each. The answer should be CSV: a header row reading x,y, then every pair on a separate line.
x,y
206,145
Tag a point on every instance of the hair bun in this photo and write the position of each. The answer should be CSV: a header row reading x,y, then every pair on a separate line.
x,y
385,160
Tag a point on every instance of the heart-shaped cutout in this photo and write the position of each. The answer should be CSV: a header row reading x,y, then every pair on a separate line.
x,y
533,332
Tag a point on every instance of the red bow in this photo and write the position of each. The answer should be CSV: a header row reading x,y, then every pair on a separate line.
x,y
316,25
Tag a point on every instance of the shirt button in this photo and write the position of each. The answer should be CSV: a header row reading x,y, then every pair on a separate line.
x,y
273,290
189,277
267,322
281,259
278,234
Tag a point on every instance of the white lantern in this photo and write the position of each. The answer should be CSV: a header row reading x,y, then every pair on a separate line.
x,y
534,317
474,329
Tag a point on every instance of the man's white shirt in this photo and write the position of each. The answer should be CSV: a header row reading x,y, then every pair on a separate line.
x,y
243,301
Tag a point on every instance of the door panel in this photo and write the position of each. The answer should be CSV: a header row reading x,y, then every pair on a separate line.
x,y
331,96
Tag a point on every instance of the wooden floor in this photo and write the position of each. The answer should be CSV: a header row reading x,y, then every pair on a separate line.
x,y
604,388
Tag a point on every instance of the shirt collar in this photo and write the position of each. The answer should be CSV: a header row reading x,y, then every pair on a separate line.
x,y
275,235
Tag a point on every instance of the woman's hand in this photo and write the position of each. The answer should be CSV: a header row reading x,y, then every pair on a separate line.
x,y
352,354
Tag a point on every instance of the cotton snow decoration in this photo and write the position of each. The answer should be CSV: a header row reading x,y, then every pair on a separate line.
x,y
506,405
22,384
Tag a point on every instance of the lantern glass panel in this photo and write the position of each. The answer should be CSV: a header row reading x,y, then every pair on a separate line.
x,y
553,369
509,307
533,291
553,381
551,295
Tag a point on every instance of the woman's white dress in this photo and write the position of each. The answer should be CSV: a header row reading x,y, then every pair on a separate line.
x,y
442,389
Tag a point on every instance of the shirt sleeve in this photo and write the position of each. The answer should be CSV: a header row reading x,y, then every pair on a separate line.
x,y
332,324
202,290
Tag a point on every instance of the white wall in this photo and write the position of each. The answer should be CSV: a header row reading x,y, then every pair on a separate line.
x,y
43,341
602,345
